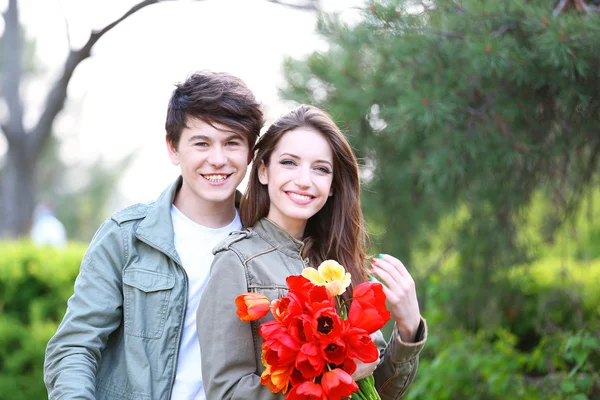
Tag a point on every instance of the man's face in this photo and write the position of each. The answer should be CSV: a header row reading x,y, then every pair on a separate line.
x,y
213,162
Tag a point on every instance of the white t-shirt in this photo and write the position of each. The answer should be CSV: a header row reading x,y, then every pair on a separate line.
x,y
194,244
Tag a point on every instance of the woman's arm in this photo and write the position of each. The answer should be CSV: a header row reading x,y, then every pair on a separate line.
x,y
399,362
400,358
227,345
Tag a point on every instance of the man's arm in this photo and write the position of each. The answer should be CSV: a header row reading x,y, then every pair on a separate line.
x,y
93,313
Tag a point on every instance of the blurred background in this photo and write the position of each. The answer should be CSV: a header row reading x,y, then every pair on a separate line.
x,y
477,124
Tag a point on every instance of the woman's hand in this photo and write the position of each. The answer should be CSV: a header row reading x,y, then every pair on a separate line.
x,y
399,287
363,370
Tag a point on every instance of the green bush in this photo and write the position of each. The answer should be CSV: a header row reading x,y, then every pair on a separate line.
x,y
544,342
35,284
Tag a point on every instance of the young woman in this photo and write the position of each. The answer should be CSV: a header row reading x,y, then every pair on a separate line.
x,y
301,207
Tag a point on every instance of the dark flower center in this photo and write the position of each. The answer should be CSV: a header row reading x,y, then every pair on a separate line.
x,y
325,324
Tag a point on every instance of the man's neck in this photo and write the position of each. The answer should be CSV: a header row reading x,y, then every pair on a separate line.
x,y
209,214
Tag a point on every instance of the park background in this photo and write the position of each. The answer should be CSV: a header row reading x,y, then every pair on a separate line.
x,y
477,124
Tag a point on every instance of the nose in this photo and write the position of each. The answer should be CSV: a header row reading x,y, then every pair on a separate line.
x,y
303,178
217,156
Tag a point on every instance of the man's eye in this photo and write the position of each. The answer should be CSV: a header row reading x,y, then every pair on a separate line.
x,y
232,143
201,144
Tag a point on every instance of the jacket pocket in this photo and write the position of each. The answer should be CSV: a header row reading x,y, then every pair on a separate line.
x,y
146,297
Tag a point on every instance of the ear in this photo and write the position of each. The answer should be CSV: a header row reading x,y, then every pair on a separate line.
x,y
173,154
250,155
263,175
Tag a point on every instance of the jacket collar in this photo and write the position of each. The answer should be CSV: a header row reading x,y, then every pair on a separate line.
x,y
279,238
157,228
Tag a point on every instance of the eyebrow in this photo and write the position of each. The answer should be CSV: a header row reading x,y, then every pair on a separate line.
x,y
296,157
208,139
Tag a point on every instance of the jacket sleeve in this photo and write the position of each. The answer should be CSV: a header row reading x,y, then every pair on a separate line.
x,y
399,363
93,313
227,346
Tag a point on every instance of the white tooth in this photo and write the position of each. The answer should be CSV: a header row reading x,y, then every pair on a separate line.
x,y
216,178
299,196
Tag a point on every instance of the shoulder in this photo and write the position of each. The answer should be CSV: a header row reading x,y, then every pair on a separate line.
x,y
246,244
134,212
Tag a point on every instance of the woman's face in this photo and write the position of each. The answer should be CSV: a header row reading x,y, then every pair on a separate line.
x,y
298,177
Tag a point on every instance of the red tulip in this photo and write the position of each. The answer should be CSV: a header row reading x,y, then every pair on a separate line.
x,y
287,307
280,349
349,365
360,345
310,361
308,294
338,384
268,328
327,324
368,310
334,352
252,306
301,329
307,391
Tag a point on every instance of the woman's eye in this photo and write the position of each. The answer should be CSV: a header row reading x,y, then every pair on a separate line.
x,y
324,170
287,162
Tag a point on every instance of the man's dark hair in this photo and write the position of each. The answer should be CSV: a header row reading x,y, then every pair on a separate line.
x,y
214,97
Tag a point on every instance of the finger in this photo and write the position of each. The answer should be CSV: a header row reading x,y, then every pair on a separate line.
x,y
390,295
396,263
389,268
384,276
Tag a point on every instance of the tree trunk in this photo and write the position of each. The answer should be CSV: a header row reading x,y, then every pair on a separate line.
x,y
18,193
18,180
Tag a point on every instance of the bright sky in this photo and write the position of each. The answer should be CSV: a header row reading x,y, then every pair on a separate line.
x,y
118,98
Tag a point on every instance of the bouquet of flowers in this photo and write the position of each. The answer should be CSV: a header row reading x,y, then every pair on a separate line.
x,y
309,348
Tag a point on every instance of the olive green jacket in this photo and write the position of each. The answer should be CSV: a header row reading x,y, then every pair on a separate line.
x,y
259,259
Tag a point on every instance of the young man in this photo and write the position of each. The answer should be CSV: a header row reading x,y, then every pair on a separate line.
x,y
130,327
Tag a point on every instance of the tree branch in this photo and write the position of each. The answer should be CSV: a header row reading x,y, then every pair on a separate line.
x,y
67,30
503,29
13,52
563,5
311,5
56,97
581,4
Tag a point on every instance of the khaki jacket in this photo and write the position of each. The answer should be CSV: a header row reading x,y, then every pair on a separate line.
x,y
259,259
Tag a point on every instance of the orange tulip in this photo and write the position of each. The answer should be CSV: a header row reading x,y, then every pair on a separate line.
x,y
252,306
277,379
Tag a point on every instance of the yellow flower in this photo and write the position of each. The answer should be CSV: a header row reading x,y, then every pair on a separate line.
x,y
331,275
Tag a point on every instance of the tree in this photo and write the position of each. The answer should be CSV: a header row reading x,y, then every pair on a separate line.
x,y
18,184
25,146
463,110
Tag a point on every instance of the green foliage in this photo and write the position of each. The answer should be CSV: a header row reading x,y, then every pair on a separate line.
x,y
529,356
463,111
78,193
35,284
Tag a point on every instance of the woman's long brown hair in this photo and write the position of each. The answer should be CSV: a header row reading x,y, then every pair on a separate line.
x,y
337,231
